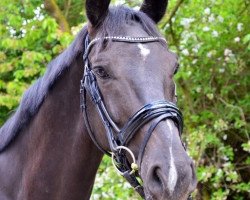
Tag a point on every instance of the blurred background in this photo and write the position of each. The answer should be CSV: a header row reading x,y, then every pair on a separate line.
x,y
212,39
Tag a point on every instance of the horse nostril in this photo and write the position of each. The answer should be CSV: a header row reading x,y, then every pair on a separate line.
x,y
156,176
155,182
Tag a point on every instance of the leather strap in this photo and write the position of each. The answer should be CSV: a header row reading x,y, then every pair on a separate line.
x,y
134,183
147,113
147,137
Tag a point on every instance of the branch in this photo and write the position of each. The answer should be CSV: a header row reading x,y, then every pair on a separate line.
x,y
244,9
175,40
243,118
242,115
67,7
53,10
172,14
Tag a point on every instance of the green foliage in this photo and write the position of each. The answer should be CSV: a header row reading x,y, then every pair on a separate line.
x,y
73,10
110,186
212,39
213,45
29,40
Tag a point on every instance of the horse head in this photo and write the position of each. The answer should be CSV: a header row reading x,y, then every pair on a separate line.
x,y
129,76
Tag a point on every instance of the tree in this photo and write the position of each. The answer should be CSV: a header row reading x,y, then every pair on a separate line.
x,y
212,39
29,40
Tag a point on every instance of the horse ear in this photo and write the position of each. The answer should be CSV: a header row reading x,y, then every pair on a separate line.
x,y
155,9
96,11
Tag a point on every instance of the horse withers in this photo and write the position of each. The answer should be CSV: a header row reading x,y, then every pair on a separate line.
x,y
51,149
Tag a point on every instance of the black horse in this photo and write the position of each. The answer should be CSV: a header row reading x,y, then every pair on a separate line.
x,y
51,150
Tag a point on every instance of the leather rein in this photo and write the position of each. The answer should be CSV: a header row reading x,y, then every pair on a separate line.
x,y
120,138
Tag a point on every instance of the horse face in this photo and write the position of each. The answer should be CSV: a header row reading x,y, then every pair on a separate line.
x,y
130,75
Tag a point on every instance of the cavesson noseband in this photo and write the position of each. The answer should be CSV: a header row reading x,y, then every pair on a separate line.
x,y
119,138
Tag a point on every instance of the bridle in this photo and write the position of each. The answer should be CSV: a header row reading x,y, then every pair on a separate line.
x,y
119,139
158,110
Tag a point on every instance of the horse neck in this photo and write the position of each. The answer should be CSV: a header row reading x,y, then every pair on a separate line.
x,y
56,159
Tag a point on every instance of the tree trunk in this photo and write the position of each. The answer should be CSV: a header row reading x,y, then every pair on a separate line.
x,y
53,10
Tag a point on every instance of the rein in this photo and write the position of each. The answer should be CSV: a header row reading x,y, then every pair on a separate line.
x,y
120,138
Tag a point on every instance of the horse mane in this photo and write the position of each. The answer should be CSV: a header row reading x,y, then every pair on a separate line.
x,y
33,98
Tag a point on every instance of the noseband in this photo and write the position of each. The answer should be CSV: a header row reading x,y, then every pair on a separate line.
x,y
120,138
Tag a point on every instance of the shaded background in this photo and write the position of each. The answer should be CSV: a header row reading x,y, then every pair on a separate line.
x,y
211,37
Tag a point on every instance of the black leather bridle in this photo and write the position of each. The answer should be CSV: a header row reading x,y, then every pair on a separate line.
x,y
120,138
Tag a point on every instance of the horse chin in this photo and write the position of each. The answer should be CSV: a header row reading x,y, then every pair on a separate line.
x,y
150,196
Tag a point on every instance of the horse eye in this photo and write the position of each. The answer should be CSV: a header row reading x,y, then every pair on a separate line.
x,y
100,71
